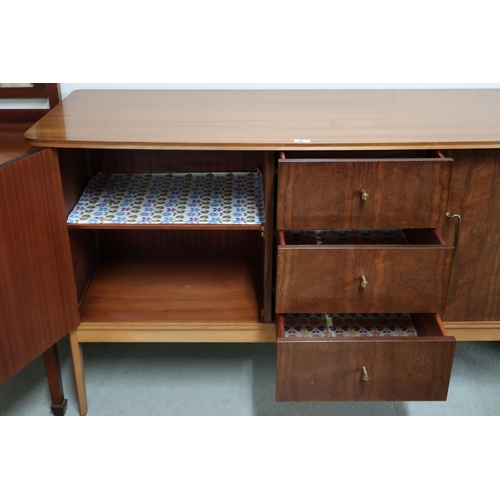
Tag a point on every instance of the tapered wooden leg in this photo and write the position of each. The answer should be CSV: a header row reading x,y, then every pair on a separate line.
x,y
53,369
76,353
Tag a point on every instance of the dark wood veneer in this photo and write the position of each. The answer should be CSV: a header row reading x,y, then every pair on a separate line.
x,y
475,194
401,278
182,288
323,194
38,305
416,369
114,161
53,369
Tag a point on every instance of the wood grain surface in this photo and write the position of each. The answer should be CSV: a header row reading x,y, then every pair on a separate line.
x,y
475,195
117,161
12,142
269,162
124,243
192,288
273,119
401,278
324,194
38,305
184,332
417,369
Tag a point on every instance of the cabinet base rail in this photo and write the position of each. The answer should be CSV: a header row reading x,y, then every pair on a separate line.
x,y
474,331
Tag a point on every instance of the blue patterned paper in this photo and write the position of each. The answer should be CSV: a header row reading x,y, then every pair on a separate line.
x,y
172,198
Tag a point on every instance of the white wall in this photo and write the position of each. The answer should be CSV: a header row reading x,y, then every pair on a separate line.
x,y
67,88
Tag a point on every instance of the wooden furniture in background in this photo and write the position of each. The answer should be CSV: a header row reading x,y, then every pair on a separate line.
x,y
356,158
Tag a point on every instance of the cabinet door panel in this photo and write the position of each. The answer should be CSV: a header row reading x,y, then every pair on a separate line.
x,y
38,304
475,285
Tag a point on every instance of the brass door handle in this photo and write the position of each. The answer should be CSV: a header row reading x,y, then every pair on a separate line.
x,y
364,282
457,231
366,375
364,195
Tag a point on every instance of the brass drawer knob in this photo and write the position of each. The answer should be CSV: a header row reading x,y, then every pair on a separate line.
x,y
366,375
364,195
364,282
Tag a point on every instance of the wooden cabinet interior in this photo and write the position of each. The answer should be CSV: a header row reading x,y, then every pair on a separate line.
x,y
174,272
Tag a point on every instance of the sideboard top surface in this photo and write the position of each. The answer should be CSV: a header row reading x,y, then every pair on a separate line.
x,y
272,120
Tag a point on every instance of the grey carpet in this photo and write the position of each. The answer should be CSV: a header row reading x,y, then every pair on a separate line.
x,y
226,379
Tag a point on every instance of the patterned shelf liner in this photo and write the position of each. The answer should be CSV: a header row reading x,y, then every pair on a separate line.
x,y
348,326
347,237
172,198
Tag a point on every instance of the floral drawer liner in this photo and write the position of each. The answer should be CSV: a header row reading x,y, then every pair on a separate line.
x,y
172,198
347,237
348,325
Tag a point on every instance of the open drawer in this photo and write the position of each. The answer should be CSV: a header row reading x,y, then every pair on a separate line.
x,y
363,358
335,193
368,271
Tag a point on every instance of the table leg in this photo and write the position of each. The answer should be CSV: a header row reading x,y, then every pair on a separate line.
x,y
53,369
76,352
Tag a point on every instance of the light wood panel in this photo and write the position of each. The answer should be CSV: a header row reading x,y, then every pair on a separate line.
x,y
185,332
474,330
273,119
77,356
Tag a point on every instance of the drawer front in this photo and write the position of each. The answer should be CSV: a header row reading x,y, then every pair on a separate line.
x,y
413,369
328,194
397,279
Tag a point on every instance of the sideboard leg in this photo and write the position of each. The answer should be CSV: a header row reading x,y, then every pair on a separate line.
x,y
76,353
53,369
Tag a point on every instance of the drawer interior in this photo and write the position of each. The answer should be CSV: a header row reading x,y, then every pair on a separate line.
x,y
362,237
358,326
362,155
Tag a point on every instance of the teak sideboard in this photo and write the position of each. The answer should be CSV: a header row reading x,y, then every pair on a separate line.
x,y
360,230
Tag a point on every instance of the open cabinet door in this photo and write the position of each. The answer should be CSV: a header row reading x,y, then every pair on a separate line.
x,y
38,303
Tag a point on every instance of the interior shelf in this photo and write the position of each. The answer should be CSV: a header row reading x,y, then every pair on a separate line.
x,y
219,200
348,325
174,288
